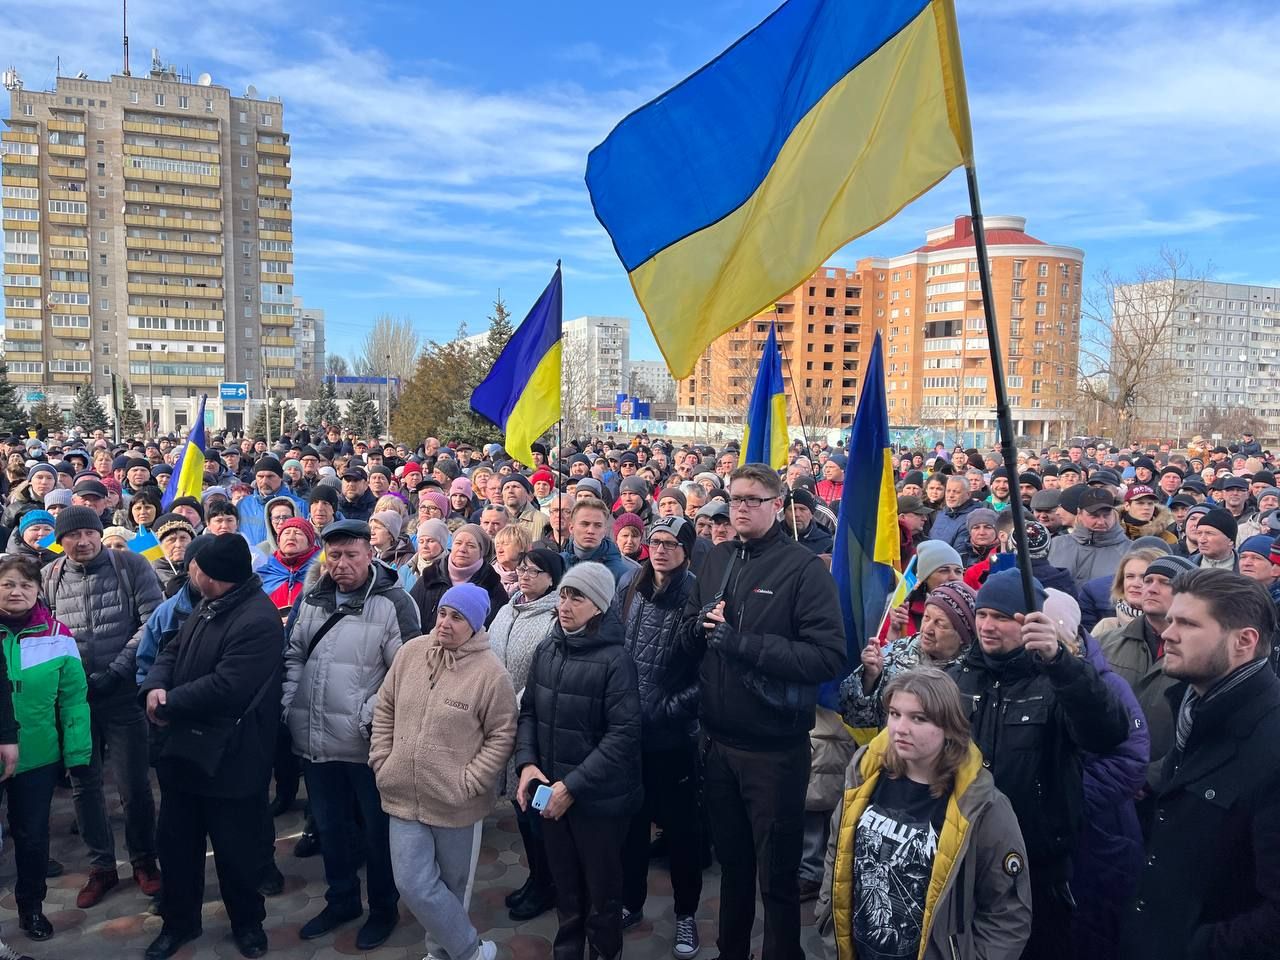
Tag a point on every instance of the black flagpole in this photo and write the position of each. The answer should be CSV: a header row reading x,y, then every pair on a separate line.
x,y
1004,421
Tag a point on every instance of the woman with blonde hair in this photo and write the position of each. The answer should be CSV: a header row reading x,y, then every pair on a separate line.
x,y
926,858
1126,589
509,545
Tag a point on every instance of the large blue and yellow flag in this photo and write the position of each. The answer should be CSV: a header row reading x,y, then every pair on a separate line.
x,y
187,479
817,126
764,439
867,554
521,394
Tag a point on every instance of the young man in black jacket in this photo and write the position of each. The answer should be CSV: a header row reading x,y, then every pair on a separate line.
x,y
765,622
218,681
1035,708
1210,887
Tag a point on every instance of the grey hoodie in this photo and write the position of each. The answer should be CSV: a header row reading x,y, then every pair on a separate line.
x,y
1086,555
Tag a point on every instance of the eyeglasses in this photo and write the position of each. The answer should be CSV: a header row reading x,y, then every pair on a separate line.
x,y
529,571
750,503
663,544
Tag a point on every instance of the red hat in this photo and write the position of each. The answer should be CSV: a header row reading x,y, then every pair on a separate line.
x,y
542,474
1139,490
297,523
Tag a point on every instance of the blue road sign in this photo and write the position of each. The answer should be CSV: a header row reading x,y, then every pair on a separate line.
x,y
233,391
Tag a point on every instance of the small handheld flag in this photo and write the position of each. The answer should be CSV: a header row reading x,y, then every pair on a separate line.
x,y
145,543
764,439
50,544
521,394
187,479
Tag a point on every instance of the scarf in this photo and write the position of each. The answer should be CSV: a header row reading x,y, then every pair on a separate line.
x,y
464,574
1192,702
439,657
510,579
1123,609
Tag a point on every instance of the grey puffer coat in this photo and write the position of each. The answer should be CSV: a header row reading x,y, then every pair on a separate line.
x,y
330,693
1087,555
516,632
106,603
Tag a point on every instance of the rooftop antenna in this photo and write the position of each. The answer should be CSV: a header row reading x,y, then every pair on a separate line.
x,y
125,5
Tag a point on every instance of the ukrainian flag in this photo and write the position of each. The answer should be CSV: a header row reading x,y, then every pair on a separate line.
x,y
764,439
145,543
50,544
521,395
817,126
187,479
867,555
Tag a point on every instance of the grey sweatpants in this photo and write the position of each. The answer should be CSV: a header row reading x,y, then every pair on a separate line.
x,y
434,868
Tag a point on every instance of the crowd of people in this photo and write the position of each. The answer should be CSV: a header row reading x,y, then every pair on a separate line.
x,y
640,647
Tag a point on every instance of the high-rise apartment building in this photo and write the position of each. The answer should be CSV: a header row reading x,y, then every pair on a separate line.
x,y
595,352
308,340
927,304
650,380
147,233
1216,350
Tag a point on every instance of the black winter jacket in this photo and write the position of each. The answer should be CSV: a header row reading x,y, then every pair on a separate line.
x,y
1032,721
782,620
360,508
580,718
815,539
228,649
1210,887
667,674
435,581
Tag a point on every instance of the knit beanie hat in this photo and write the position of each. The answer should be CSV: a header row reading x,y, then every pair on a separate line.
x,y
460,486
1222,521
437,530
434,496
449,467
389,519
914,477
628,520
932,554
592,485
1003,593
32,517
681,529
981,515
593,581
1259,544
1038,540
959,603
61,497
171,523
549,562
1064,610
675,495
46,467
71,519
226,558
634,484
470,601
266,463
124,533
308,531
542,475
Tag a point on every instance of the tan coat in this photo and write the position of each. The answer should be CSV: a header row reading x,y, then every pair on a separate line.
x,y
443,728
831,747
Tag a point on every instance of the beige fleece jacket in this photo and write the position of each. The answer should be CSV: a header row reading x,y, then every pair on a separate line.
x,y
438,746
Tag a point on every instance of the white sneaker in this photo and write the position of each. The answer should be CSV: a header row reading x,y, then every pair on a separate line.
x,y
8,953
488,950
686,943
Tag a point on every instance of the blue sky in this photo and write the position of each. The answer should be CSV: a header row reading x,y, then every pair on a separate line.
x,y
439,146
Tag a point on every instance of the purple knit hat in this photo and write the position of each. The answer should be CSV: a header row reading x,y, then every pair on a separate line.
x,y
958,601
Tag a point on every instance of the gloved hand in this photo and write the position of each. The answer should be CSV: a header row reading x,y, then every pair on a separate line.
x,y
80,771
102,684
723,637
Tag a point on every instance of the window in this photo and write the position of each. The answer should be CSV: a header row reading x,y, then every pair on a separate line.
x,y
244,203
208,106
244,160
104,303
1042,269
244,117
28,110
1040,308
102,236
133,96
159,99
99,147
102,191
1042,289
102,169
266,120
184,102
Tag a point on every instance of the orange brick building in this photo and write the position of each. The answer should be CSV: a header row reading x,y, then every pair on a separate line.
x,y
927,304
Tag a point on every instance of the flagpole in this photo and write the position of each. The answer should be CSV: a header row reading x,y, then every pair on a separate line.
x,y
1004,421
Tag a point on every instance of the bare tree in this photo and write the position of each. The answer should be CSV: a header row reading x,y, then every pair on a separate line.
x,y
577,401
335,365
391,348
1130,328
1229,423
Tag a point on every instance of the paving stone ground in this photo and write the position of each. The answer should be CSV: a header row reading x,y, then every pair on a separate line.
x,y
121,926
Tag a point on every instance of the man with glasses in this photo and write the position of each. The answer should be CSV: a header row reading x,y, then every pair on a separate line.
x,y
1097,542
764,620
651,610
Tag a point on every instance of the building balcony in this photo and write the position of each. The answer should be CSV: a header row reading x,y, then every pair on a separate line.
x,y
184,269
16,203
281,383
14,333
70,219
285,235
68,241
274,149
64,150
171,246
173,223
279,172
21,224
29,269
19,136
12,181
66,126
171,176
265,277
68,173
281,363
175,336
79,379
270,213
27,378
189,313
171,130
170,153
69,286
172,200
277,193
69,354
277,256
275,341
70,333
180,291
274,320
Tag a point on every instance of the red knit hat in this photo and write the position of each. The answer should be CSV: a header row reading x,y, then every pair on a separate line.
x,y
628,520
297,523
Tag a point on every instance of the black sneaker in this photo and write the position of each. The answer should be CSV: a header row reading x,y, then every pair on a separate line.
x,y
376,930
515,896
251,941
330,918
53,868
631,917
535,904
308,845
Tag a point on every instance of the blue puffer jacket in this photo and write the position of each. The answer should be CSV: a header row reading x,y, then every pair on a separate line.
x,y
1095,601
1110,853
624,569
667,673
162,626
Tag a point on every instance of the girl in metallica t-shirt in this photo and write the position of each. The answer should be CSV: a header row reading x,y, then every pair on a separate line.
x,y
892,824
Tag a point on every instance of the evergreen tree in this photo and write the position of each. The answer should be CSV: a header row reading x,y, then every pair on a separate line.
x,y
437,399
363,418
259,428
130,416
46,415
500,331
87,412
323,410
12,417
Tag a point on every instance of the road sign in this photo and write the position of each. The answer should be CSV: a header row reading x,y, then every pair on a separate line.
x,y
233,391
34,396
